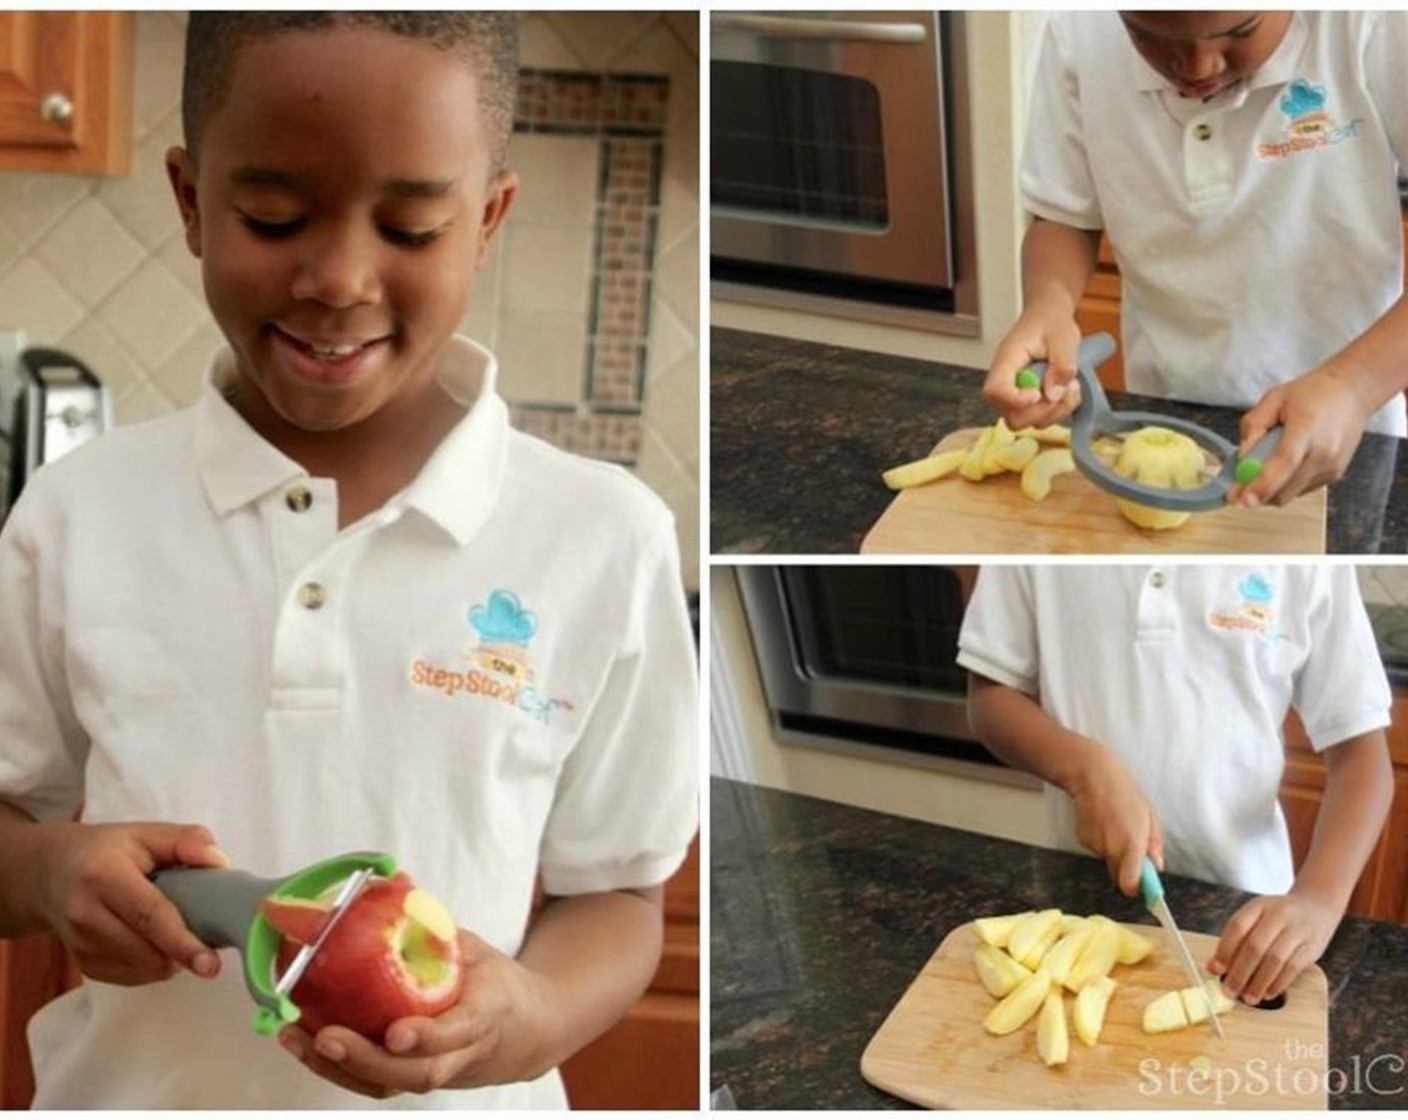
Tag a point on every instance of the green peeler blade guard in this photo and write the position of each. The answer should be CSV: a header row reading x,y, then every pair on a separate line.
x,y
222,908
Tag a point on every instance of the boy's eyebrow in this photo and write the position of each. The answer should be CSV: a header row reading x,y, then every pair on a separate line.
x,y
1246,25
253,176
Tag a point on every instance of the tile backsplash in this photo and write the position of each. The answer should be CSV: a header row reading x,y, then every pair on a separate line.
x,y
591,297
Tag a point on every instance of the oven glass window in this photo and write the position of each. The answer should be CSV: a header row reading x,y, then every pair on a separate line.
x,y
882,625
800,144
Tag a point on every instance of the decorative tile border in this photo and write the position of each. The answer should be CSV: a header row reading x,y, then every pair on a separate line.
x,y
627,113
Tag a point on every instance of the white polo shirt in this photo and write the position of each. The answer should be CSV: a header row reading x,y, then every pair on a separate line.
x,y
1186,674
1256,233
492,676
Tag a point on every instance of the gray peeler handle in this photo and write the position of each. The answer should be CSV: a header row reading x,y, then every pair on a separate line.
x,y
1094,350
216,904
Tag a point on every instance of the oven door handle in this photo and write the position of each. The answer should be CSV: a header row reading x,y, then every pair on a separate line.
x,y
789,27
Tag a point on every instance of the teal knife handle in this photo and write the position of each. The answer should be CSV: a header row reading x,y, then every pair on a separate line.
x,y
218,905
1150,884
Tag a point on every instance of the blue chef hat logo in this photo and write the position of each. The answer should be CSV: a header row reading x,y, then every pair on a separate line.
x,y
503,620
1255,589
1302,99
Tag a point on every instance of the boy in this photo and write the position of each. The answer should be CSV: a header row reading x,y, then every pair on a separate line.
x,y
340,605
1153,696
1243,166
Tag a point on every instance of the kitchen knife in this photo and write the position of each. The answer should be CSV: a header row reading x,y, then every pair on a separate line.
x,y
1153,890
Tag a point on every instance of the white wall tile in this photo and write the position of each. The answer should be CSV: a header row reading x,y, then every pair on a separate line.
x,y
151,314
34,301
559,175
88,251
547,268
540,353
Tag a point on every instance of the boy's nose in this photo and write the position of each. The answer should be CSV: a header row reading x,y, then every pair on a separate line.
x,y
1198,62
338,270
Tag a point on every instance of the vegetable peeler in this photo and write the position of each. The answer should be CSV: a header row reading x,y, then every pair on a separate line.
x,y
1094,418
1152,888
222,908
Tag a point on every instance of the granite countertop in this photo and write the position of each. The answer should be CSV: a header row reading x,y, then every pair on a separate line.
x,y
800,433
821,915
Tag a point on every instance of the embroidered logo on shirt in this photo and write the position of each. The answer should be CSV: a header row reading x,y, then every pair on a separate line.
x,y
1252,611
1309,126
503,666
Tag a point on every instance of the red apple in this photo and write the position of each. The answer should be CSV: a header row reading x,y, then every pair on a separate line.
x,y
396,952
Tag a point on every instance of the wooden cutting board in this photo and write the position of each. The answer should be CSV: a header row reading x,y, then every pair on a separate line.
x,y
932,1049
954,515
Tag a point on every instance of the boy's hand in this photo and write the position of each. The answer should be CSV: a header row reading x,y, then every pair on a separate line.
x,y
1272,940
119,927
1036,336
1115,820
1323,417
501,1031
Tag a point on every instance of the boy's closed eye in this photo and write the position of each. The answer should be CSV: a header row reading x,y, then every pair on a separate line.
x,y
275,230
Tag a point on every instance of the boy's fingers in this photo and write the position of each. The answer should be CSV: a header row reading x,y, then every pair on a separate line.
x,y
301,1047
154,917
112,953
1274,959
1233,934
1285,461
189,845
1131,864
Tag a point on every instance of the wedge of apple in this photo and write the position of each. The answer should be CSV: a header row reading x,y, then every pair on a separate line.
x,y
1097,955
1062,956
1195,1000
997,929
998,972
1052,1039
1090,1007
1165,1013
1134,947
1026,941
1020,1004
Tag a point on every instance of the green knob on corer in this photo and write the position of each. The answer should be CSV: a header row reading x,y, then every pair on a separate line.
x,y
1248,470
1028,379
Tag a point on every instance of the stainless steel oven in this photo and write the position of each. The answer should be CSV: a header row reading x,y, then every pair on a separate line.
x,y
864,655
839,157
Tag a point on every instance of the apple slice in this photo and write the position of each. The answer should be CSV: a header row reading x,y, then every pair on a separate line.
x,y
1020,1005
1134,947
996,930
1195,1000
1165,1013
1030,932
1097,956
1072,922
1063,955
1052,1040
1037,953
998,972
1089,1012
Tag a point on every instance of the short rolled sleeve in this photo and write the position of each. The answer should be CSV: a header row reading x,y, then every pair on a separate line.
x,y
999,639
1056,180
626,805
42,747
1341,690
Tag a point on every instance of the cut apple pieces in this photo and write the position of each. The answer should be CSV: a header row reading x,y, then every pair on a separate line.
x,y
1195,1000
996,930
1090,1007
1134,947
1030,932
1063,955
1097,956
1052,1040
1020,1004
998,972
1165,1013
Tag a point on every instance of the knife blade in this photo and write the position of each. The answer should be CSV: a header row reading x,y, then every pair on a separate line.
x,y
1152,887
341,904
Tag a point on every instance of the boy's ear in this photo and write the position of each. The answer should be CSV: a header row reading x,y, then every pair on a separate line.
x,y
181,170
496,203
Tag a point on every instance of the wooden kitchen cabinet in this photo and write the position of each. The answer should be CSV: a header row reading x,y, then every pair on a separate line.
x,y
66,92
650,1060
1382,891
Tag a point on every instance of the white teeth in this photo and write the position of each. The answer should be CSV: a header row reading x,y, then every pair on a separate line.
x,y
340,351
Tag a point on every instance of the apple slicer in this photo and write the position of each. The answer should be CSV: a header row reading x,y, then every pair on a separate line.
x,y
222,908
1094,419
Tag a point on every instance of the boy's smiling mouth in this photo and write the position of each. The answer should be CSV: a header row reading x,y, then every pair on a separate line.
x,y
323,358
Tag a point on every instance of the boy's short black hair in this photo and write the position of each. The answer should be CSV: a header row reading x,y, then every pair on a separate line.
x,y
487,40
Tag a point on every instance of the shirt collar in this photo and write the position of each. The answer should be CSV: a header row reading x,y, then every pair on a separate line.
x,y
456,488
1276,70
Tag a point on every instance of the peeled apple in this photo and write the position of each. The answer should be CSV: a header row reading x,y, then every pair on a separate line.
x,y
1162,459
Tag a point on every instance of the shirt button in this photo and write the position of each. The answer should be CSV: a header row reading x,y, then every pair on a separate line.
x,y
1203,132
1157,581
298,498
312,596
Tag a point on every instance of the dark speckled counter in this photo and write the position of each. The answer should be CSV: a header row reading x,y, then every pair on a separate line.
x,y
800,433
821,915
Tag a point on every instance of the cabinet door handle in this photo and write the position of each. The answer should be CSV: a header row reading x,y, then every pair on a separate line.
x,y
56,108
792,27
